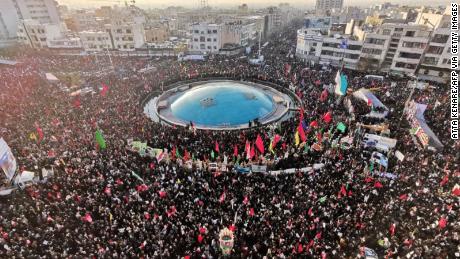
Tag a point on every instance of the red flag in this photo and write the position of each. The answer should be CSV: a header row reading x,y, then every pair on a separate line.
x,y
317,82
403,197
343,190
173,152
368,179
186,155
301,112
235,150
253,152
445,179
327,117
276,139
251,212
369,102
216,148
87,218
310,211
318,235
299,248
247,149
313,124
119,181
232,228
222,197
146,215
108,191
301,133
456,191
392,229
324,95
200,238
378,185
104,90
245,200
319,137
202,230
40,133
442,223
260,144
162,194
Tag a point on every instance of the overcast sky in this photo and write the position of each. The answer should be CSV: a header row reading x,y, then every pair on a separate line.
x,y
234,3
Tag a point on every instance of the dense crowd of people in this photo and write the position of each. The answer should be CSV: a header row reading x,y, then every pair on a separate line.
x,y
113,203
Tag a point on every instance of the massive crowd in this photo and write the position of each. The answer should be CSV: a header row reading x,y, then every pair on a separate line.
x,y
95,207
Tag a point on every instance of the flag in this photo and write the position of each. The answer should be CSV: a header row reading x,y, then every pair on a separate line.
x,y
260,144
445,179
456,190
32,136
343,190
40,133
327,117
200,238
245,200
392,229
87,218
107,190
313,124
100,140
403,197
137,176
162,194
212,154
77,102
251,212
341,84
301,132
253,152
341,127
276,139
324,95
442,223
104,90
222,197
235,150
296,138
216,148
186,155
301,112
247,149
369,101
299,248
323,199
378,185
178,154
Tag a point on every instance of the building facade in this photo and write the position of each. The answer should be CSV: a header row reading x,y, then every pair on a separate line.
x,y
323,6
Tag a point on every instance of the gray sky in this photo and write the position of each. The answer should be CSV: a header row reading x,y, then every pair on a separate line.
x,y
234,3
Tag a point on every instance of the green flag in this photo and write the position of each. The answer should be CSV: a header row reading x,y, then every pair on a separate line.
x,y
341,127
137,176
323,199
371,166
177,153
100,139
212,154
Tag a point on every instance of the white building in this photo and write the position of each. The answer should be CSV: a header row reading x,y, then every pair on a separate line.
x,y
394,47
435,65
12,11
314,47
126,36
205,38
95,40
37,35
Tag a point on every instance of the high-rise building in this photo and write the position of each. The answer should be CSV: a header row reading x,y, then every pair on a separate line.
x,y
324,6
12,11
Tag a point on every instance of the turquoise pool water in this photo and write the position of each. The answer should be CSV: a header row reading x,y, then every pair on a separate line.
x,y
222,103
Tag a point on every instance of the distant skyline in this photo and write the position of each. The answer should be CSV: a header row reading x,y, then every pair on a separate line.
x,y
234,3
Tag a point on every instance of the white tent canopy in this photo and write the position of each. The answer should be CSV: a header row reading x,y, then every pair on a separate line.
x,y
50,77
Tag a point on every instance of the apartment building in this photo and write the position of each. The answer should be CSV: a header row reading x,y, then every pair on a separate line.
x,y
13,11
205,38
95,40
324,6
37,35
126,36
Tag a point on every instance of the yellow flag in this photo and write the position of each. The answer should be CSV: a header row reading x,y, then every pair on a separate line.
x,y
32,136
297,139
270,148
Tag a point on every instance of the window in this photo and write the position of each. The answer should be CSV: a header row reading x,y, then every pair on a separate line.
x,y
435,50
196,31
418,45
430,60
214,31
202,39
372,51
202,46
119,31
405,65
208,39
209,47
440,38
130,38
409,55
215,47
386,32
398,29
215,40
128,30
195,39
375,41
410,33
209,31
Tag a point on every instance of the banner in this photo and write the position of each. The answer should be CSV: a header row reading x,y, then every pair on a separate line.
x,y
341,84
7,160
258,168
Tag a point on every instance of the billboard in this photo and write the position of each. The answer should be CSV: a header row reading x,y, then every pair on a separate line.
x,y
318,23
